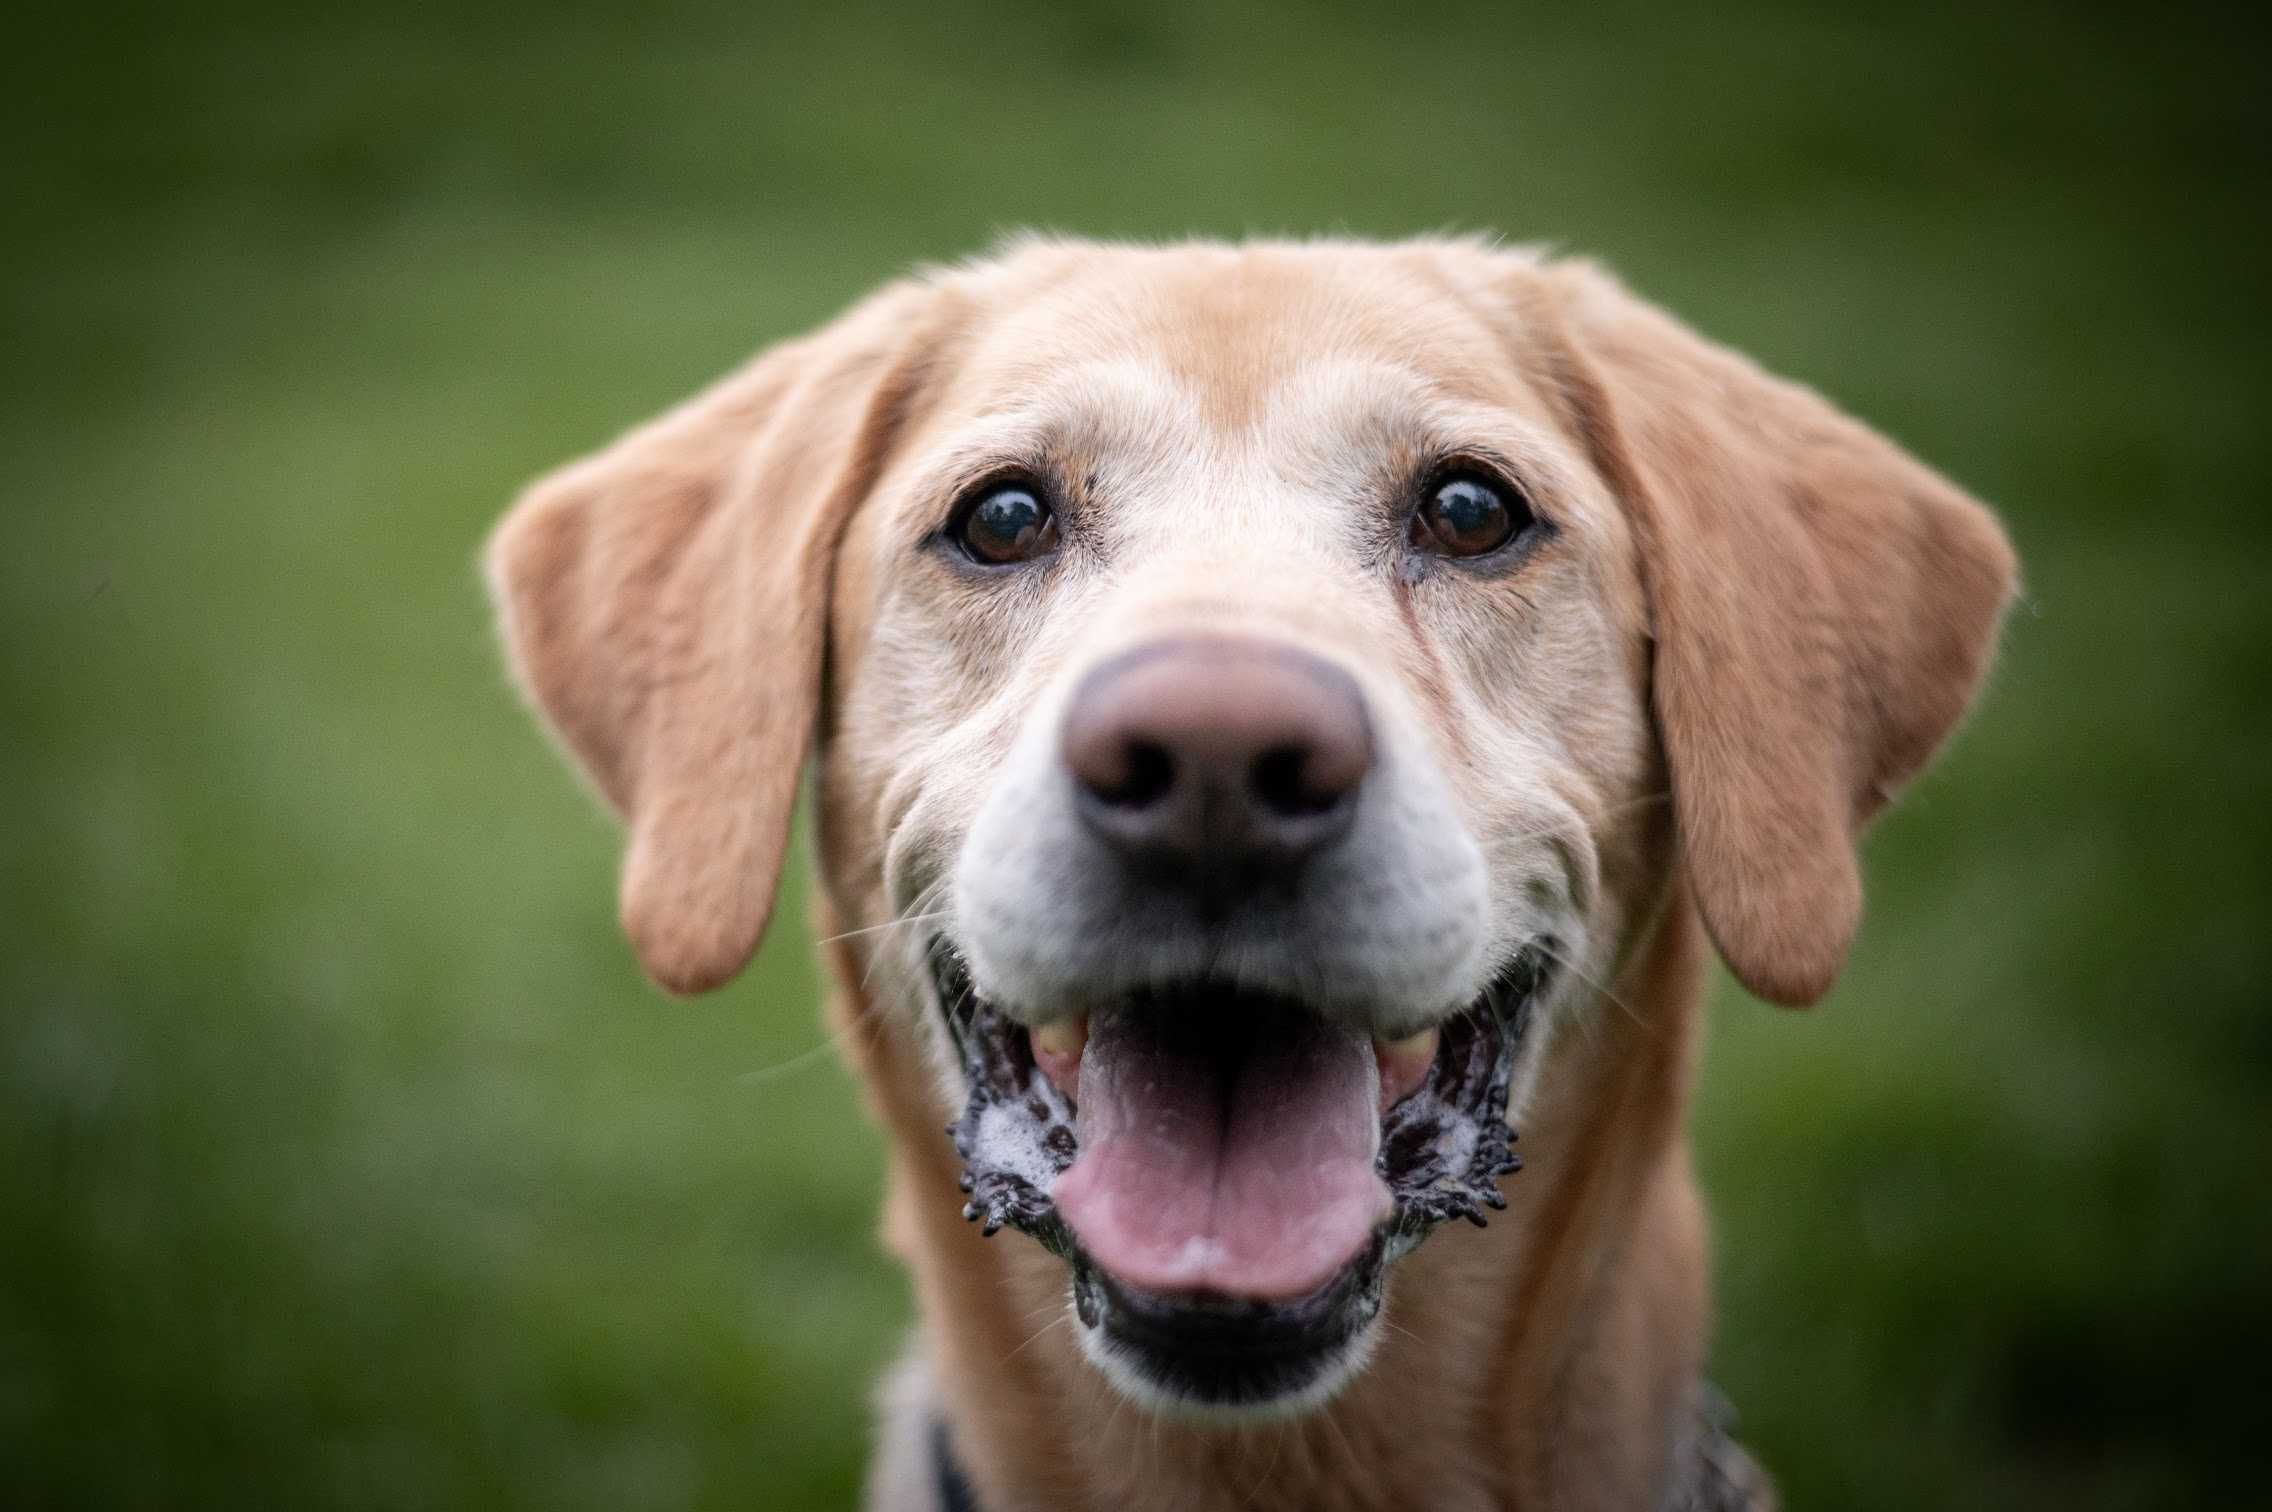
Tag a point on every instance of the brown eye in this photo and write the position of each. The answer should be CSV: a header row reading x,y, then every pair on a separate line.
x,y
1464,516
1007,524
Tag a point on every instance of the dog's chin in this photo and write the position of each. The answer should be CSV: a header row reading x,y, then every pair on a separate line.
x,y
1229,1359
1228,1177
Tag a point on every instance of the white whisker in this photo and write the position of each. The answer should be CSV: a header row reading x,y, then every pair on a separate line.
x,y
889,924
1595,983
793,1064
920,911
1033,1337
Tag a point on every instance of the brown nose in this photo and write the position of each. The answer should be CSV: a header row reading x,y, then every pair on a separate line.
x,y
1217,760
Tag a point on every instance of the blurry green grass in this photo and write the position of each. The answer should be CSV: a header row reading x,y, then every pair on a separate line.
x,y
344,1159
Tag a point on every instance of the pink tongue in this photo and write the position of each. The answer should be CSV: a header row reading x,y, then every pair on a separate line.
x,y
1247,1173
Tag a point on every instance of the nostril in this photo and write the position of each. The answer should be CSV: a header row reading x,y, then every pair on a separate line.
x,y
1281,783
1146,774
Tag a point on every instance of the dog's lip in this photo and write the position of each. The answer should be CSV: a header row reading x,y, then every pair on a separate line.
x,y
1241,1332
1441,1152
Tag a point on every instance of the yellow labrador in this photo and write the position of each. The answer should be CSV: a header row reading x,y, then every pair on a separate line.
x,y
1284,716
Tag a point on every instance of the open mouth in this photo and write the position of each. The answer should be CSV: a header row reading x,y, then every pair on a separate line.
x,y
1228,1173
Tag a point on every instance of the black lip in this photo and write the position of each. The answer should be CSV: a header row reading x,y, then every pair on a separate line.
x,y
1442,1152
1227,1352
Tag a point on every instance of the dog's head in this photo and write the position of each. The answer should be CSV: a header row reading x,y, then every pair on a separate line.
x,y
1259,691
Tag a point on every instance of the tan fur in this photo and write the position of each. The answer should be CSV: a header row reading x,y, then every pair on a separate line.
x,y
1823,607
1750,597
665,604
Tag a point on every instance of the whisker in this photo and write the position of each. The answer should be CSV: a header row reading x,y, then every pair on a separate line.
x,y
1348,1449
835,1038
1399,1328
902,922
1033,1337
919,912
789,1067
1120,1401
1597,985
1277,1450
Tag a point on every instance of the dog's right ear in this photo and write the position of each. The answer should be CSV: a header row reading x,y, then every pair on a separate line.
x,y
664,606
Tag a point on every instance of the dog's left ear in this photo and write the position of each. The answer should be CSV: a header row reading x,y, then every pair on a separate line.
x,y
1822,607
664,604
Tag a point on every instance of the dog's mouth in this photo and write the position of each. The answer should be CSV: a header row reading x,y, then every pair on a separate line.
x,y
1229,1173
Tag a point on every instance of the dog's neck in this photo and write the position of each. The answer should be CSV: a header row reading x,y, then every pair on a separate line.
x,y
1551,1360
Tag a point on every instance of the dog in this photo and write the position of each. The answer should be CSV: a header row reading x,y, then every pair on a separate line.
x,y
1284,716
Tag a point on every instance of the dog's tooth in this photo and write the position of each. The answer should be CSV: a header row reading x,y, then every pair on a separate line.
x,y
1057,1048
1419,1047
1065,1036
1404,1064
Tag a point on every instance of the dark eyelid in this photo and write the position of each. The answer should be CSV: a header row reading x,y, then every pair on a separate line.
x,y
1491,466
1501,473
977,484
963,491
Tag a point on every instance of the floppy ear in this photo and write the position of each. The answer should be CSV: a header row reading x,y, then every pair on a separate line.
x,y
664,608
1822,607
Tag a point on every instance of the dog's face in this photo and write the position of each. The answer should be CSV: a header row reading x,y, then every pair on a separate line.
x,y
1249,678
1257,693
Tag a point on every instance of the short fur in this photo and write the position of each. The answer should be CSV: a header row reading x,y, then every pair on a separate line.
x,y
1750,599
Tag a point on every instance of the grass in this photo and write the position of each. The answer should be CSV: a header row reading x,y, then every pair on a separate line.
x,y
345,1160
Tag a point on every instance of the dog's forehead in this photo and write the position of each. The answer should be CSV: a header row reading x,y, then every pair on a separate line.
x,y
1237,338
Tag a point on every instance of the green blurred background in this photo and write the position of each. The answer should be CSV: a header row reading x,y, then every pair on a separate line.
x,y
345,1160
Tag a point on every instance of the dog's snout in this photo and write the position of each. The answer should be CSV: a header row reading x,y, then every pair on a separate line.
x,y
1216,757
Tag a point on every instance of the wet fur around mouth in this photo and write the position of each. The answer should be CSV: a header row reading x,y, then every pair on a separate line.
x,y
1443,1149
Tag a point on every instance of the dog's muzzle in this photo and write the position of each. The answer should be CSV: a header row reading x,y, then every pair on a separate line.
x,y
1218,1236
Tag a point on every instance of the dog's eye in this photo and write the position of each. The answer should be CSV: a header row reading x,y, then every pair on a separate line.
x,y
1007,524
1465,516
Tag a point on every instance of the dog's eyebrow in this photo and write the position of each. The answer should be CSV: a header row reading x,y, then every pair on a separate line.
x,y
969,461
1391,422
1131,411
